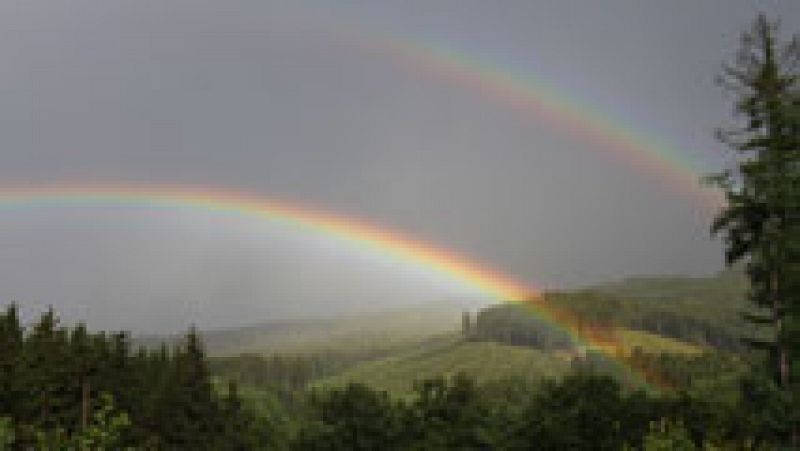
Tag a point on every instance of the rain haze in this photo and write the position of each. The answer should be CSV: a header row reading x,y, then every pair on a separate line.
x,y
339,106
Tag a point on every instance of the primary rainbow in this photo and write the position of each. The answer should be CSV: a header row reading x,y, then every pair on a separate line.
x,y
530,93
217,200
358,234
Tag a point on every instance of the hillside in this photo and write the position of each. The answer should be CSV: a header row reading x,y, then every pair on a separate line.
x,y
450,355
728,286
713,301
702,310
677,316
485,361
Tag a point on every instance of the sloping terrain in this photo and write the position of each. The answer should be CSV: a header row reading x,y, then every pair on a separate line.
x,y
450,355
485,361
392,350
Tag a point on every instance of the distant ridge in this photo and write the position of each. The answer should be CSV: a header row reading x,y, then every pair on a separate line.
x,y
728,285
387,328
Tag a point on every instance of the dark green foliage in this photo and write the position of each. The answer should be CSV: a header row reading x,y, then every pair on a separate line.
x,y
772,413
584,411
11,389
242,430
288,372
450,414
54,377
352,418
761,221
444,414
518,325
187,400
668,436
682,371
704,311
701,313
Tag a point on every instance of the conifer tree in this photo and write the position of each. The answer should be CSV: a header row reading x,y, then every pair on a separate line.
x,y
10,354
761,221
83,366
188,411
46,367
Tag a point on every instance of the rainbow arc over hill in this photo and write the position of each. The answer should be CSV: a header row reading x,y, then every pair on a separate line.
x,y
437,261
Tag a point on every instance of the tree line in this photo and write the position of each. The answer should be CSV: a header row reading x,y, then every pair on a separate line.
x,y
516,325
584,410
60,386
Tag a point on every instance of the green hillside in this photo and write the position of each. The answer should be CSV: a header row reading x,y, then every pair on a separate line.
x,y
450,355
720,299
712,303
703,310
485,361
655,344
651,315
633,303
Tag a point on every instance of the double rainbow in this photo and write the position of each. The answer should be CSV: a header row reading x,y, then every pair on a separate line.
x,y
527,93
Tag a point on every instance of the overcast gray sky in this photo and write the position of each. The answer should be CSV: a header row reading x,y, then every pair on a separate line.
x,y
281,99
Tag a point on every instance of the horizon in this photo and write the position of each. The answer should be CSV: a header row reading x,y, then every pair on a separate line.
x,y
559,150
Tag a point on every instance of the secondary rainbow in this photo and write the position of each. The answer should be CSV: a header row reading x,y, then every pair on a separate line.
x,y
431,259
530,93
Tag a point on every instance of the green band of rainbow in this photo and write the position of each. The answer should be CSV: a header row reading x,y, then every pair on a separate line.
x,y
358,234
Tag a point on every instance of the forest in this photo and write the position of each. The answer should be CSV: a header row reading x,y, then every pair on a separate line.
x,y
696,363
67,388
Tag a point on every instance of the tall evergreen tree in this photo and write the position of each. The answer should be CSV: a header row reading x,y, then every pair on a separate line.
x,y
761,221
11,339
188,410
46,364
83,366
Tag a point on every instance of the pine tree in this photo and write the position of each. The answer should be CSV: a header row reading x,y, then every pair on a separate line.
x,y
188,412
46,364
83,365
762,218
11,337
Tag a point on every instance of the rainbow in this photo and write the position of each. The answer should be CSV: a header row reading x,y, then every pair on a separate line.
x,y
356,233
529,93
389,243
